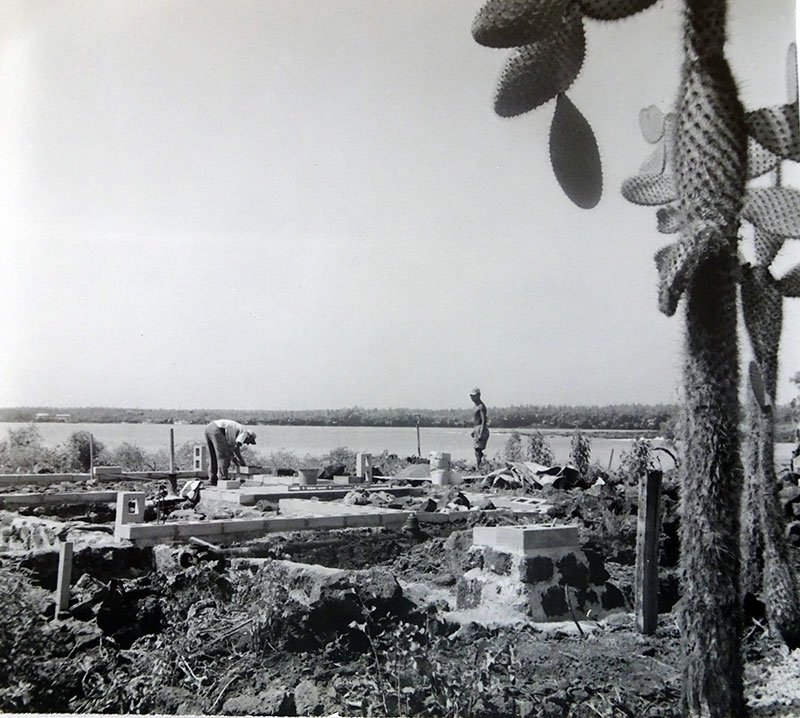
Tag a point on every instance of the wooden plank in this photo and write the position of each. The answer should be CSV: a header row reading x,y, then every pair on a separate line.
x,y
39,479
648,529
53,499
64,576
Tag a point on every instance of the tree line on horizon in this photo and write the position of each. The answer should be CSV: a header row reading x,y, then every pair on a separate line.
x,y
616,416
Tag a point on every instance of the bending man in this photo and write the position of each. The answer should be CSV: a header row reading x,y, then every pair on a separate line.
x,y
225,438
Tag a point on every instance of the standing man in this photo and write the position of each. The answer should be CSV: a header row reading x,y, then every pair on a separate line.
x,y
225,438
480,426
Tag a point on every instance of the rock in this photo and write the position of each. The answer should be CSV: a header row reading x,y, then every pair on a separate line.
x,y
538,568
790,498
271,702
172,700
483,504
307,699
356,498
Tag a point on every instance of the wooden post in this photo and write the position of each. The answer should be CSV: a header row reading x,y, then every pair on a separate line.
x,y
419,450
173,480
64,576
91,455
647,533
611,459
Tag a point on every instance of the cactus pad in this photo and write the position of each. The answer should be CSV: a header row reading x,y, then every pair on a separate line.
x,y
650,190
759,159
767,245
656,162
651,122
538,72
677,263
574,155
789,284
763,316
613,9
774,209
777,129
791,73
711,142
669,219
512,23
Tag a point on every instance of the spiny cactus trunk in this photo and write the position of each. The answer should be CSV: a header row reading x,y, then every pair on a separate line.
x,y
765,559
780,590
710,616
711,168
752,537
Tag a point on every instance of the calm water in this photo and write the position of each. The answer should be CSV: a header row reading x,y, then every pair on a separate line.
x,y
319,440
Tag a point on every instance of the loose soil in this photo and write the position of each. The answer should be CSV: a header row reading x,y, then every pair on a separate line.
x,y
381,636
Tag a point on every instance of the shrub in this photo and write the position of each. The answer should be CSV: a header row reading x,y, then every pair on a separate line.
x,y
634,463
580,452
539,450
513,448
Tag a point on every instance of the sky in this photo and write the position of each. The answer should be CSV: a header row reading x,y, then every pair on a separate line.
x,y
293,204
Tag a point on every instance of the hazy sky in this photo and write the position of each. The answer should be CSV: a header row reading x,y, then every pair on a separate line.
x,y
311,203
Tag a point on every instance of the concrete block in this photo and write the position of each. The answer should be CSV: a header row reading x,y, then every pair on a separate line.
x,y
242,526
285,524
200,457
130,507
347,480
146,532
105,470
198,528
364,466
521,539
229,484
251,470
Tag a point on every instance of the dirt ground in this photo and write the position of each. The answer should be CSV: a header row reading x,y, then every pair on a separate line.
x,y
356,622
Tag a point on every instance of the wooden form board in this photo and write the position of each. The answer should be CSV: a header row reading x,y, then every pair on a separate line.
x,y
249,495
64,497
47,479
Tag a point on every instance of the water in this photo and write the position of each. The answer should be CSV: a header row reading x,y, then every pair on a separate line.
x,y
319,440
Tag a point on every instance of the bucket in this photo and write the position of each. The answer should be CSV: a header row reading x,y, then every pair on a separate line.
x,y
307,477
439,460
443,477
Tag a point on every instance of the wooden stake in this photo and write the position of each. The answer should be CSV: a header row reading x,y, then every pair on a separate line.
x,y
64,576
647,533
610,459
91,455
173,479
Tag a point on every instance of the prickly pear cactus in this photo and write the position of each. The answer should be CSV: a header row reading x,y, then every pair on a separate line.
x,y
774,212
698,179
549,49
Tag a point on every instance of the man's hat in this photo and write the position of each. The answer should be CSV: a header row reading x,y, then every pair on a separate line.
x,y
475,392
250,437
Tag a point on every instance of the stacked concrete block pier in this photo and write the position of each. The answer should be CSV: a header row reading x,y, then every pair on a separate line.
x,y
539,571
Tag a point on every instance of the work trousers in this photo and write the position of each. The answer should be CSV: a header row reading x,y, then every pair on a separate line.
x,y
219,453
